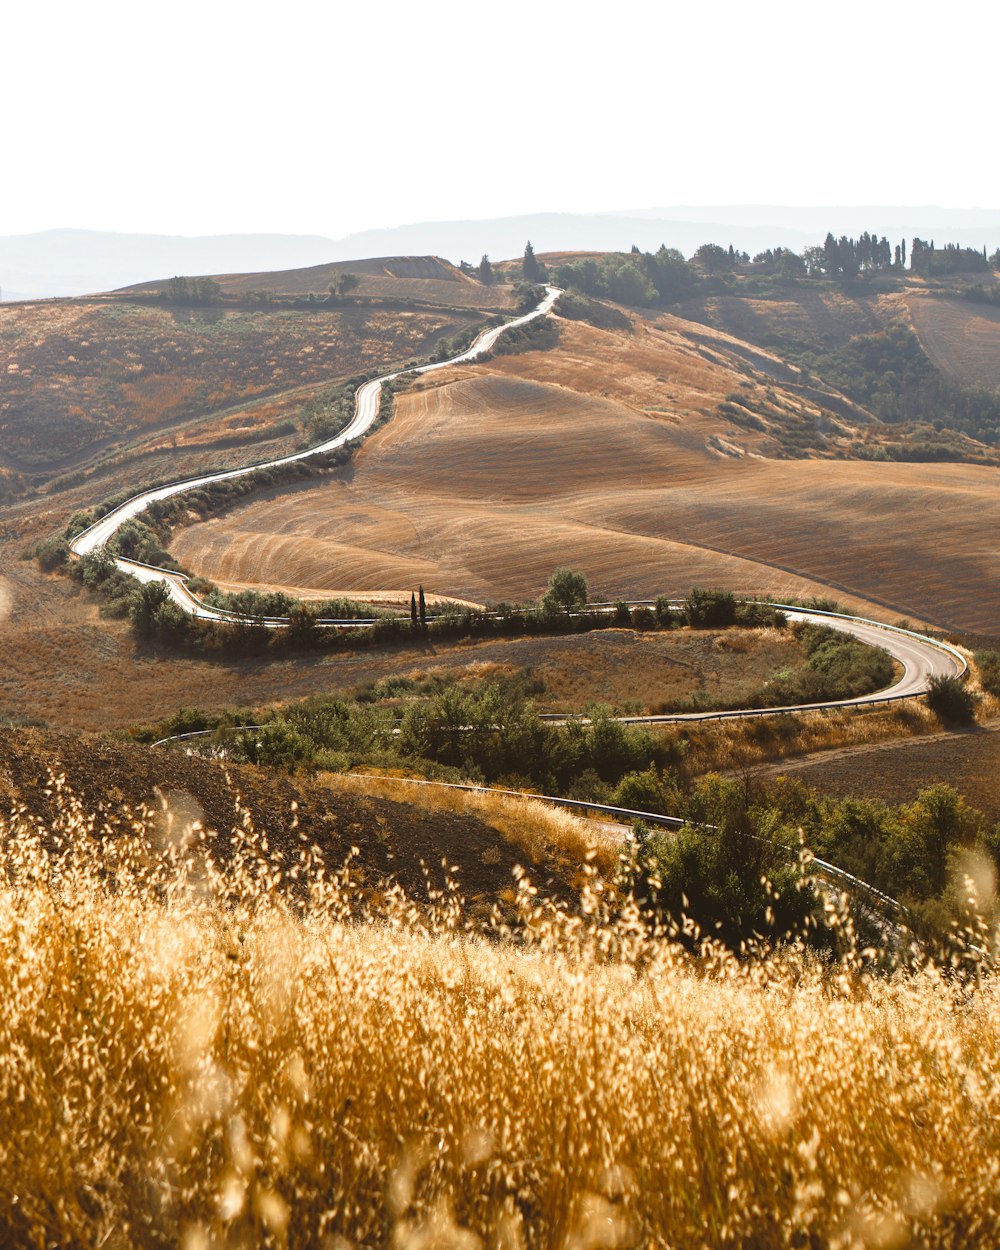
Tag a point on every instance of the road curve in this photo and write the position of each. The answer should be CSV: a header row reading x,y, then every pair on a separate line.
x,y
921,658
366,408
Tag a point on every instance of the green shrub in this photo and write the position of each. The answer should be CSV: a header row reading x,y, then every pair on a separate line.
x,y
951,701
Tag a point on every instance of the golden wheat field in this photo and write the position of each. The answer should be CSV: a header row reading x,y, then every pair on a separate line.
x,y
209,1042
962,338
488,478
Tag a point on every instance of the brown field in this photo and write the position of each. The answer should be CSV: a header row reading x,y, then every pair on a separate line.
x,y
961,338
628,671
61,664
422,279
808,317
606,454
897,771
81,378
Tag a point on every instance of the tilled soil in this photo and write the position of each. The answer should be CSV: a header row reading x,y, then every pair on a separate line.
x,y
897,771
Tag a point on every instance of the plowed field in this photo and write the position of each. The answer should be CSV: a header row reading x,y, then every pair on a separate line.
x,y
962,338
606,454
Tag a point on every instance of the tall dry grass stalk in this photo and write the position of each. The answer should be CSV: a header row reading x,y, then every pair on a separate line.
x,y
209,1042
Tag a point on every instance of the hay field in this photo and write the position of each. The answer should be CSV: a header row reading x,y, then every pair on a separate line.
x,y
235,1069
961,338
604,454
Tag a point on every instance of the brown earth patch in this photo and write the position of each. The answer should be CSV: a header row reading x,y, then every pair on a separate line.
x,y
897,771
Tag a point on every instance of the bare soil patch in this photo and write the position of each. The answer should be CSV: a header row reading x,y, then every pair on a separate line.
x,y
897,771
394,839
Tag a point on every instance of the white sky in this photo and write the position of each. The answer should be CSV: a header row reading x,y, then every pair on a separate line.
x,y
325,118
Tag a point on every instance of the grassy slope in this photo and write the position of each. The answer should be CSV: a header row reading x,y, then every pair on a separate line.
x,y
83,377
393,840
233,1069
605,453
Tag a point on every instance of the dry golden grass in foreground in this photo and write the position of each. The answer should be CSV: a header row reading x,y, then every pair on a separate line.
x,y
204,1055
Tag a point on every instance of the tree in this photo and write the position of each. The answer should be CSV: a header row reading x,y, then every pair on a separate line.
x,y
531,269
413,610
146,605
485,271
342,286
567,590
713,258
423,608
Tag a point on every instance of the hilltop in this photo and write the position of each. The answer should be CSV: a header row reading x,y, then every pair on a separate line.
x,y
157,379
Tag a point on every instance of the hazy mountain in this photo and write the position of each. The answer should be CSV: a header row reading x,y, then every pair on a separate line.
x,y
77,262
80,262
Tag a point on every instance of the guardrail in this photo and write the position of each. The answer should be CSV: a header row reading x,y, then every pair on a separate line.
x,y
839,876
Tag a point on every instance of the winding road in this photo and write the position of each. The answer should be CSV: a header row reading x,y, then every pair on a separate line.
x,y
920,657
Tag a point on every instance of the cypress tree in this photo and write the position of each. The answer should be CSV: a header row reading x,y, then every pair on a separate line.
x,y
413,609
531,269
423,608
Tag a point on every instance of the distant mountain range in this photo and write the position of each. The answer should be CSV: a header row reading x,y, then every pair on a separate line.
x,y
79,262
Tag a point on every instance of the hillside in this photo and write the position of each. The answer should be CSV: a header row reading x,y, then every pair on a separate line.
x,y
611,452
420,279
391,840
86,380
962,338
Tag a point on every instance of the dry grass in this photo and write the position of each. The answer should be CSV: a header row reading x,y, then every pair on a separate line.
x,y
540,833
487,479
962,339
80,376
193,1053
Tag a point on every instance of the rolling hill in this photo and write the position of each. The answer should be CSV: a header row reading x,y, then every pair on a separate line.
x,y
609,453
90,378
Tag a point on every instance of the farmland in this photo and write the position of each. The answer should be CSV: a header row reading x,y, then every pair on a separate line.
x,y
609,453
962,338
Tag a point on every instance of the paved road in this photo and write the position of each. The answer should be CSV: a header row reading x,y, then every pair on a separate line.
x,y
366,409
921,658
